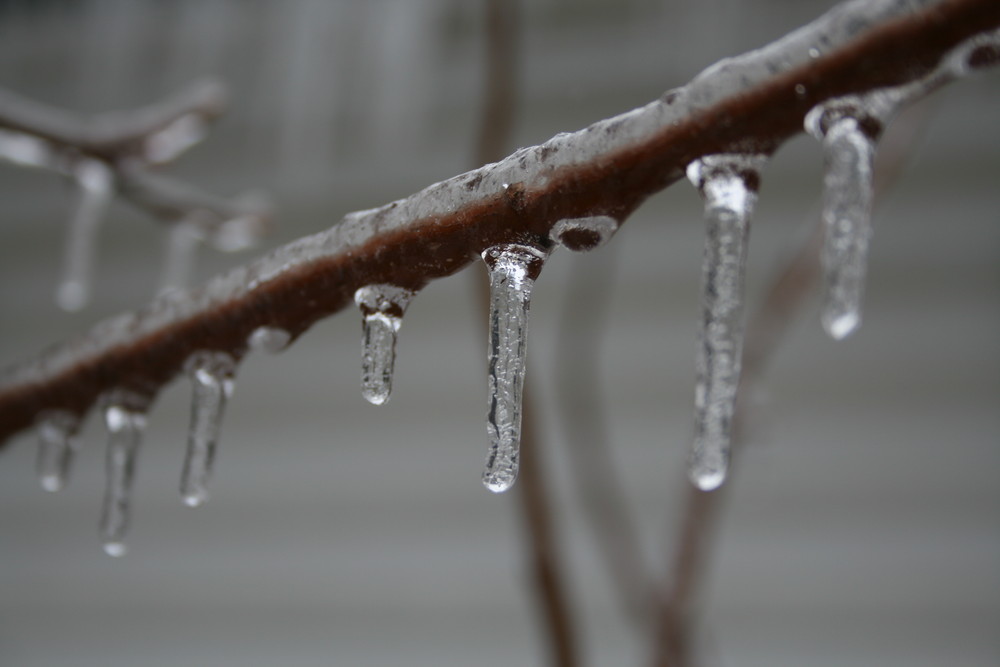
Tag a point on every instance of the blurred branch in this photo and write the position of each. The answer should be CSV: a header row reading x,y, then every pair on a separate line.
x,y
750,103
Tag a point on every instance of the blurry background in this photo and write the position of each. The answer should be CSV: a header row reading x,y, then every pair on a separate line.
x,y
862,524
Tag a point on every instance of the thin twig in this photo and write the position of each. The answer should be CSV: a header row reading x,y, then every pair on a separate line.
x,y
750,103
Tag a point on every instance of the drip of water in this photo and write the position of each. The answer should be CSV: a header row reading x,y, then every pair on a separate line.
x,y
382,308
513,269
125,422
212,379
178,266
847,224
268,339
728,185
57,444
583,234
95,182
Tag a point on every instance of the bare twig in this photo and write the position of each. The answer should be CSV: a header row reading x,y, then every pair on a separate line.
x,y
754,102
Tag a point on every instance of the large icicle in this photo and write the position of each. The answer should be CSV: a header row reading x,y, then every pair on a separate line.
x,y
513,269
95,182
212,379
847,202
382,308
728,184
57,444
125,418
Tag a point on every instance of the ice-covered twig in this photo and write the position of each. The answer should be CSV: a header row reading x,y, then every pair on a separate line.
x,y
749,103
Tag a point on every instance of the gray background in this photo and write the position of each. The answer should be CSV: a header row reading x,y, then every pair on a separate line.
x,y
861,526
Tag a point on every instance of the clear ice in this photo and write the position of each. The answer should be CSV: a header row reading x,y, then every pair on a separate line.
x,y
57,444
728,186
95,182
583,234
212,379
125,426
178,265
382,308
512,269
847,226
268,339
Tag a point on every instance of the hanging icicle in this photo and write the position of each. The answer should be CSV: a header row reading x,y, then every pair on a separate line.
x,y
57,444
513,269
382,308
95,182
212,379
848,137
728,184
125,418
583,234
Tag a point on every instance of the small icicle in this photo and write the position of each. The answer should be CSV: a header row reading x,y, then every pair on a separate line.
x,y
728,184
847,203
95,181
583,234
212,378
178,265
57,443
175,138
125,418
513,269
382,307
268,339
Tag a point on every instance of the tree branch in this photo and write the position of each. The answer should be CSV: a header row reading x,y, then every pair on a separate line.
x,y
750,103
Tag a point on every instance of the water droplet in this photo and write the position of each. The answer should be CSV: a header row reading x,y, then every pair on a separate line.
x,y
268,339
212,379
124,416
582,234
382,308
57,444
513,269
728,186
95,183
847,202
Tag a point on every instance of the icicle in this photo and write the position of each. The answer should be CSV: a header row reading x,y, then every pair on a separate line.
x,y
847,203
178,267
245,229
95,181
57,443
728,184
583,234
382,307
125,422
25,150
513,269
212,376
268,339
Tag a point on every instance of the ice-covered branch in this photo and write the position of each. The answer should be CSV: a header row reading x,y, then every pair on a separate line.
x,y
751,103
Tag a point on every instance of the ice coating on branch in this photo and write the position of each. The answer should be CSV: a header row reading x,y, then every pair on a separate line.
x,y
95,181
125,418
583,234
268,339
382,308
57,444
728,185
512,269
847,225
183,133
212,385
178,265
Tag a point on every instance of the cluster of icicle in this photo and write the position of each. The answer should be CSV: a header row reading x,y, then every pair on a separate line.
x,y
95,185
848,129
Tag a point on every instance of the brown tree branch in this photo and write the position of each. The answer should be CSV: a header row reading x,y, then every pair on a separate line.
x,y
750,103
